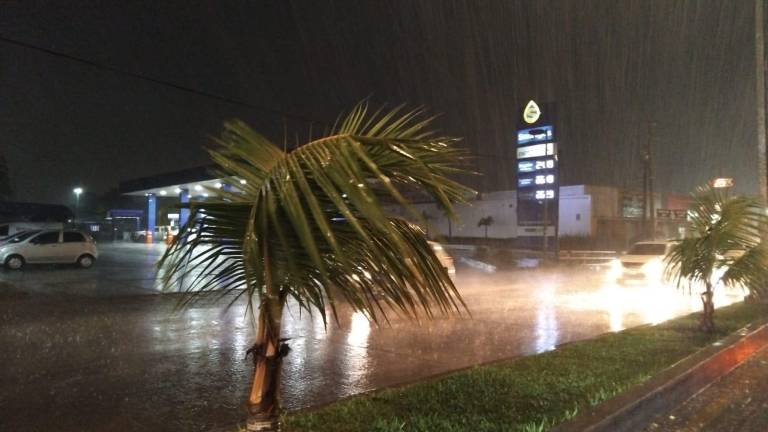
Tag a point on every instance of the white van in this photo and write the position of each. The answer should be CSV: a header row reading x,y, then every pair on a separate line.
x,y
8,229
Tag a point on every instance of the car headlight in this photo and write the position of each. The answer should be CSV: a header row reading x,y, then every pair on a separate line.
x,y
614,269
653,269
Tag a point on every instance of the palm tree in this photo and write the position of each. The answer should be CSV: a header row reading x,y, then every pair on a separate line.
x,y
309,225
725,247
485,222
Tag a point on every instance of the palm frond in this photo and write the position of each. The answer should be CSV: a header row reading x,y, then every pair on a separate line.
x,y
311,224
725,236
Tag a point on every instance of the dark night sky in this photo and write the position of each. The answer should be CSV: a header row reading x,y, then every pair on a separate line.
x,y
612,65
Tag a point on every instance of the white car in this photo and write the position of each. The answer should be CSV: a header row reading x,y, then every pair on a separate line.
x,y
643,261
48,246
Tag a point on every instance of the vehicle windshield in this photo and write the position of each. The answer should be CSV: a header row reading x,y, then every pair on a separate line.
x,y
648,249
20,237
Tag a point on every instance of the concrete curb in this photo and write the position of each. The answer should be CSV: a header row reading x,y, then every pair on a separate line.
x,y
634,409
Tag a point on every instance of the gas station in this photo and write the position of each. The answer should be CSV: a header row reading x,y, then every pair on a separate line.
x,y
175,189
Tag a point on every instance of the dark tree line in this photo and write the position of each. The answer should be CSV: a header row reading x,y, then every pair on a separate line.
x,y
5,180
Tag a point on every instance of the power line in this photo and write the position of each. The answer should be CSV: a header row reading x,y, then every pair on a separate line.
x,y
271,111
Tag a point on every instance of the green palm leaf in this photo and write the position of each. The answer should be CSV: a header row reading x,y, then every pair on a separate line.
x,y
724,244
310,224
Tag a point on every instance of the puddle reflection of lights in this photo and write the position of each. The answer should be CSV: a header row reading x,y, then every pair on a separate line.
x,y
613,302
547,331
357,352
359,329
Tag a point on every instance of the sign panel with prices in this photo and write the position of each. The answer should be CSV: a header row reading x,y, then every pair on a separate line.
x,y
537,168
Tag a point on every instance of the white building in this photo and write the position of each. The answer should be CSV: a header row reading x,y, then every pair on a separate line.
x,y
580,208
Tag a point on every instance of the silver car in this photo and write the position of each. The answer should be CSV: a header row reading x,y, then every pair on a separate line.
x,y
48,246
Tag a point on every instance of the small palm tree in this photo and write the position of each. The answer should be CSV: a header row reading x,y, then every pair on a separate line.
x,y
309,226
485,222
724,247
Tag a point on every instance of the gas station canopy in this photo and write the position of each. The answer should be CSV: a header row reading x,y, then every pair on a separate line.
x,y
198,182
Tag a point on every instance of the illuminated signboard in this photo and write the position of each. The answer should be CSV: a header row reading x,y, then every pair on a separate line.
x,y
537,150
545,164
722,182
537,170
535,134
544,194
525,182
527,166
544,179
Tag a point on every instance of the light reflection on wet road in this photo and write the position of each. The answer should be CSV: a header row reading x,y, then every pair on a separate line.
x,y
80,355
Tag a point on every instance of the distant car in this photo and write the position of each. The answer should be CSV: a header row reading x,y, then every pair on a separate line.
x,y
643,261
47,247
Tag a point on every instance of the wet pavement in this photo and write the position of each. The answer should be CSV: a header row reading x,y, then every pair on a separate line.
x,y
737,402
82,352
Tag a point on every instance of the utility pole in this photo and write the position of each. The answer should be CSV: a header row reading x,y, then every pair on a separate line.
x,y
650,179
645,190
649,203
760,71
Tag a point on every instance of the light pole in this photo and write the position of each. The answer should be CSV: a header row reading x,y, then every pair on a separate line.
x,y
77,191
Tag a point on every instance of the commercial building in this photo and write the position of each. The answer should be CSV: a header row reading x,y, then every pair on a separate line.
x,y
589,215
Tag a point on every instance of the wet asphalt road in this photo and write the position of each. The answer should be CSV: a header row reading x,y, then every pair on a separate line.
x,y
81,351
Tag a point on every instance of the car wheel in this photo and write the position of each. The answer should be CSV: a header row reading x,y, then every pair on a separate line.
x,y
14,262
85,261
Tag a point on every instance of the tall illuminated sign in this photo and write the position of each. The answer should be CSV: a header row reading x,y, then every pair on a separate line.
x,y
537,170
531,113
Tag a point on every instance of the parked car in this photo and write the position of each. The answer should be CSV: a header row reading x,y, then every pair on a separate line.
x,y
643,261
48,246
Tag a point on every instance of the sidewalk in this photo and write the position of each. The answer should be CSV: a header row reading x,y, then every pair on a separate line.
x,y
737,402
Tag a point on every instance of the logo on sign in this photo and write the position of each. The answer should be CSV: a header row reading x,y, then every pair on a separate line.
x,y
531,113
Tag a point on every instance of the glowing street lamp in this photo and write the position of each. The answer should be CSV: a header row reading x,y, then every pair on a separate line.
x,y
77,191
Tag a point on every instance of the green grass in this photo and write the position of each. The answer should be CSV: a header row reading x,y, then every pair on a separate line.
x,y
528,394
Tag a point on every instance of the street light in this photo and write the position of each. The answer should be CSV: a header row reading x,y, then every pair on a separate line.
x,y
77,191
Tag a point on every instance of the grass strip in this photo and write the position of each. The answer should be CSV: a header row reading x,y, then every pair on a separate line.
x,y
529,394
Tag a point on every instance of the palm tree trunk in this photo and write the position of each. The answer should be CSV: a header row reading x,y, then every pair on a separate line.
x,y
268,353
707,323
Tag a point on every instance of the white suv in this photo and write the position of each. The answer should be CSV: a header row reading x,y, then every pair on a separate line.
x,y
644,260
48,246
